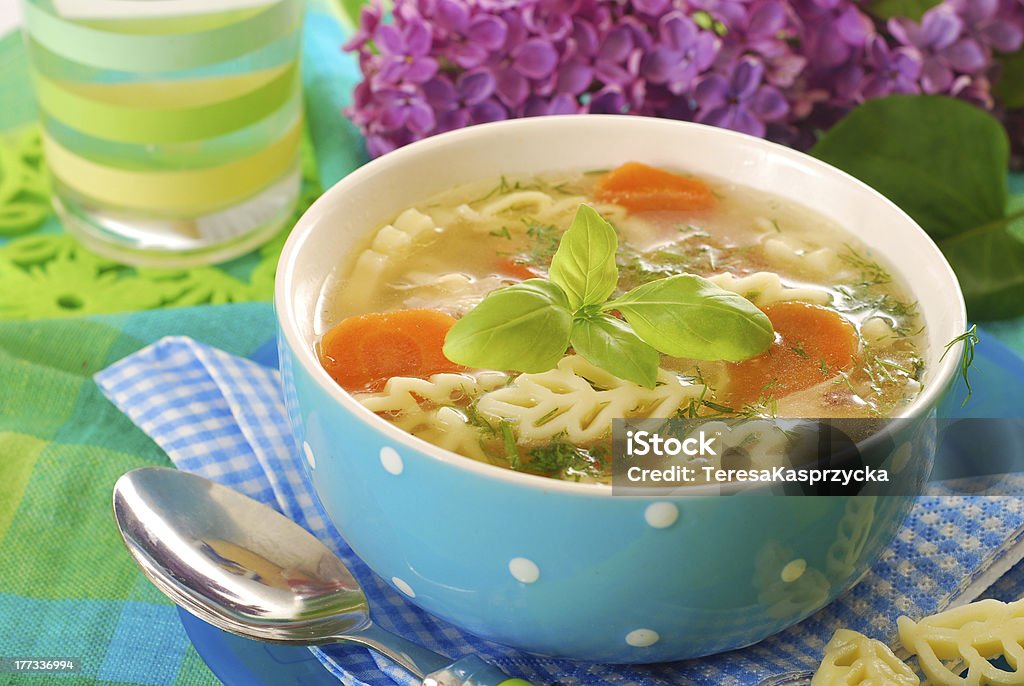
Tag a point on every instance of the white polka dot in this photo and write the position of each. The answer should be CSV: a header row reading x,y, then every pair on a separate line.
x,y
391,460
661,515
793,570
309,455
403,587
524,570
642,638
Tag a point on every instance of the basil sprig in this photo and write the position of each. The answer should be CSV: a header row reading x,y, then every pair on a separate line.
x,y
528,326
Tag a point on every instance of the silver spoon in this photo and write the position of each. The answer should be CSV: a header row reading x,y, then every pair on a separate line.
x,y
242,567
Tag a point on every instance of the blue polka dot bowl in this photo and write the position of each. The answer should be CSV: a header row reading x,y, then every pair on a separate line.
x,y
568,569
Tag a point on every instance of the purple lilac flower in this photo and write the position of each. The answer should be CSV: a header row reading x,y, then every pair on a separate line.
x,y
466,101
469,39
993,24
592,56
739,100
405,53
944,50
833,39
683,51
892,71
779,68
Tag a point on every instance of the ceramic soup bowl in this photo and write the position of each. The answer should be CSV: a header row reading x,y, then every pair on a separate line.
x,y
568,569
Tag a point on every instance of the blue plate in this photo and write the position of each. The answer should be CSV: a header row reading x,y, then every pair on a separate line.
x,y
238,661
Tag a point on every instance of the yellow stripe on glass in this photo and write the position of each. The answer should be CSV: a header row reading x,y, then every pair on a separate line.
x,y
169,111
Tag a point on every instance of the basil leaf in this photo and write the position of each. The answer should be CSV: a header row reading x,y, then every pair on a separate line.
x,y
687,316
913,9
584,264
944,162
610,344
524,327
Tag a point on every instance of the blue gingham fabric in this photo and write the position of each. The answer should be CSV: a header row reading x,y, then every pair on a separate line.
x,y
223,417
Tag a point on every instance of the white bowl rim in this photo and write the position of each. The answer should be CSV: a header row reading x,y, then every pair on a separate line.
x,y
286,270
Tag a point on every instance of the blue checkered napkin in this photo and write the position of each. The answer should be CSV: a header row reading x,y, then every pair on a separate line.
x,y
223,417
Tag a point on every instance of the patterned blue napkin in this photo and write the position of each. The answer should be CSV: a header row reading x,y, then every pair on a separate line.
x,y
223,417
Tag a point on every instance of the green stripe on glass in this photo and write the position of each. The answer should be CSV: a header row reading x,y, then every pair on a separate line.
x,y
148,53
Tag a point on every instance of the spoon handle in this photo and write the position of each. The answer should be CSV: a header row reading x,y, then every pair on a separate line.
x,y
471,671
434,669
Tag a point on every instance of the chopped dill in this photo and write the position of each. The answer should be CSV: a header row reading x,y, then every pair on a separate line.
x,y
766,406
844,378
546,417
970,339
564,188
596,172
503,232
799,350
508,440
474,417
724,409
859,300
775,225
892,365
502,188
823,366
559,458
871,273
545,240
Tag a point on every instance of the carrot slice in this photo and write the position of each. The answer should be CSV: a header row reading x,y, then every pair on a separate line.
x,y
641,188
518,270
811,345
363,352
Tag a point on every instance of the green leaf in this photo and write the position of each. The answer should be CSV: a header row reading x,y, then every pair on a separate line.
x,y
1010,87
584,264
990,267
687,316
944,162
610,344
913,9
524,327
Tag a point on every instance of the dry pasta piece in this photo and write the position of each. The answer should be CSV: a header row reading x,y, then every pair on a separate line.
x,y
853,659
965,639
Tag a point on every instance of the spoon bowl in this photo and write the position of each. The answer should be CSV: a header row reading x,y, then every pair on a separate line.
x,y
233,561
